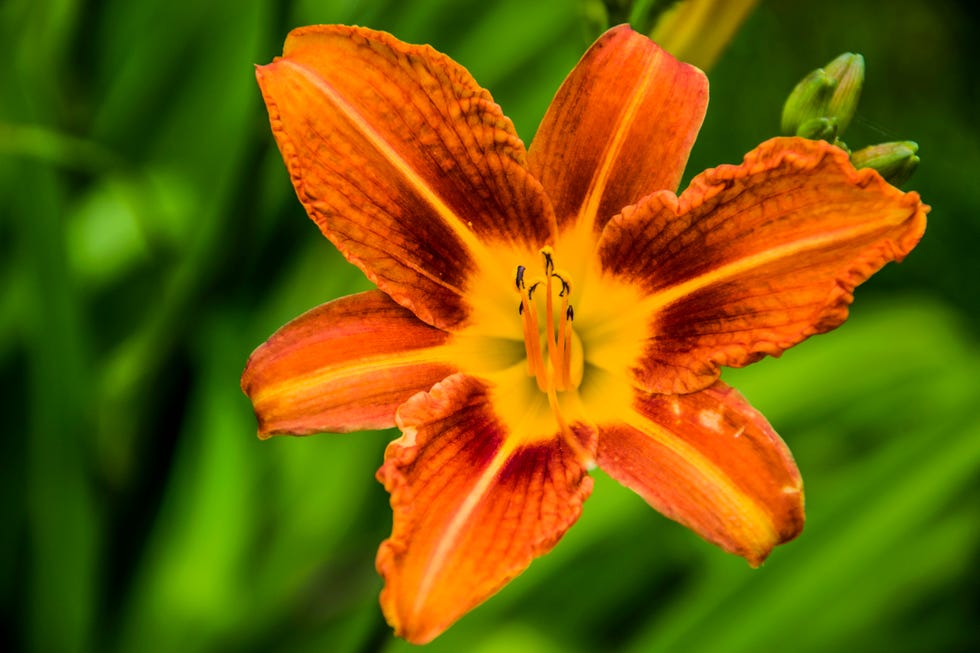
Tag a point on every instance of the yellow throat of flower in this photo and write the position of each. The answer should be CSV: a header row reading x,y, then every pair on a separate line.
x,y
554,352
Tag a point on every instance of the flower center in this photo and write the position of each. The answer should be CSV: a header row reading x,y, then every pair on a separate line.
x,y
554,352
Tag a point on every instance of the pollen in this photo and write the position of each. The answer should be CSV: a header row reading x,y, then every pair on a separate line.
x,y
554,356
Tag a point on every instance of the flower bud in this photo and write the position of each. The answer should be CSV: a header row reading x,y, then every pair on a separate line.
x,y
807,102
829,93
848,70
894,161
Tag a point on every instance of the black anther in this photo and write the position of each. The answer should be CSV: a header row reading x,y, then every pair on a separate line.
x,y
549,265
565,287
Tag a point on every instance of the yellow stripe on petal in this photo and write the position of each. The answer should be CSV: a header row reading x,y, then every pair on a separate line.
x,y
715,490
351,391
404,163
380,142
475,499
749,261
344,366
711,462
620,127
799,249
449,536
621,130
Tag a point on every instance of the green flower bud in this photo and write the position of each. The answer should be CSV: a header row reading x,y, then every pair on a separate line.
x,y
829,93
894,161
808,101
848,70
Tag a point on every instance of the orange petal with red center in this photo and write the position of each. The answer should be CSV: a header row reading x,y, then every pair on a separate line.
x,y
621,127
403,161
474,500
343,366
753,258
711,462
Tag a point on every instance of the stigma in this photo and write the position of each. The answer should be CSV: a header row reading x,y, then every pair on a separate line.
x,y
554,353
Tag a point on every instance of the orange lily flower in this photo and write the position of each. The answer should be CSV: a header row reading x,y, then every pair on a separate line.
x,y
541,313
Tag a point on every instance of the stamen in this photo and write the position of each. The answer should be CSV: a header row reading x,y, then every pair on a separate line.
x,y
554,373
566,287
566,347
532,344
549,319
558,362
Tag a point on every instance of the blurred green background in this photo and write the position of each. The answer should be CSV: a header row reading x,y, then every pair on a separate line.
x,y
150,239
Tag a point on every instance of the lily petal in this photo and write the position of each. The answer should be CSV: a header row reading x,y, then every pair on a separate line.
x,y
711,462
344,366
403,161
620,127
753,258
474,500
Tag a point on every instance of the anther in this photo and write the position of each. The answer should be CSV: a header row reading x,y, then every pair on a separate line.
x,y
549,265
569,314
519,280
530,291
565,286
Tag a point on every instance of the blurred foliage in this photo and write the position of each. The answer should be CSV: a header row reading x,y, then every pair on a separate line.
x,y
150,239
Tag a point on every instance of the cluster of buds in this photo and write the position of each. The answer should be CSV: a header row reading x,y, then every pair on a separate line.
x,y
821,107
